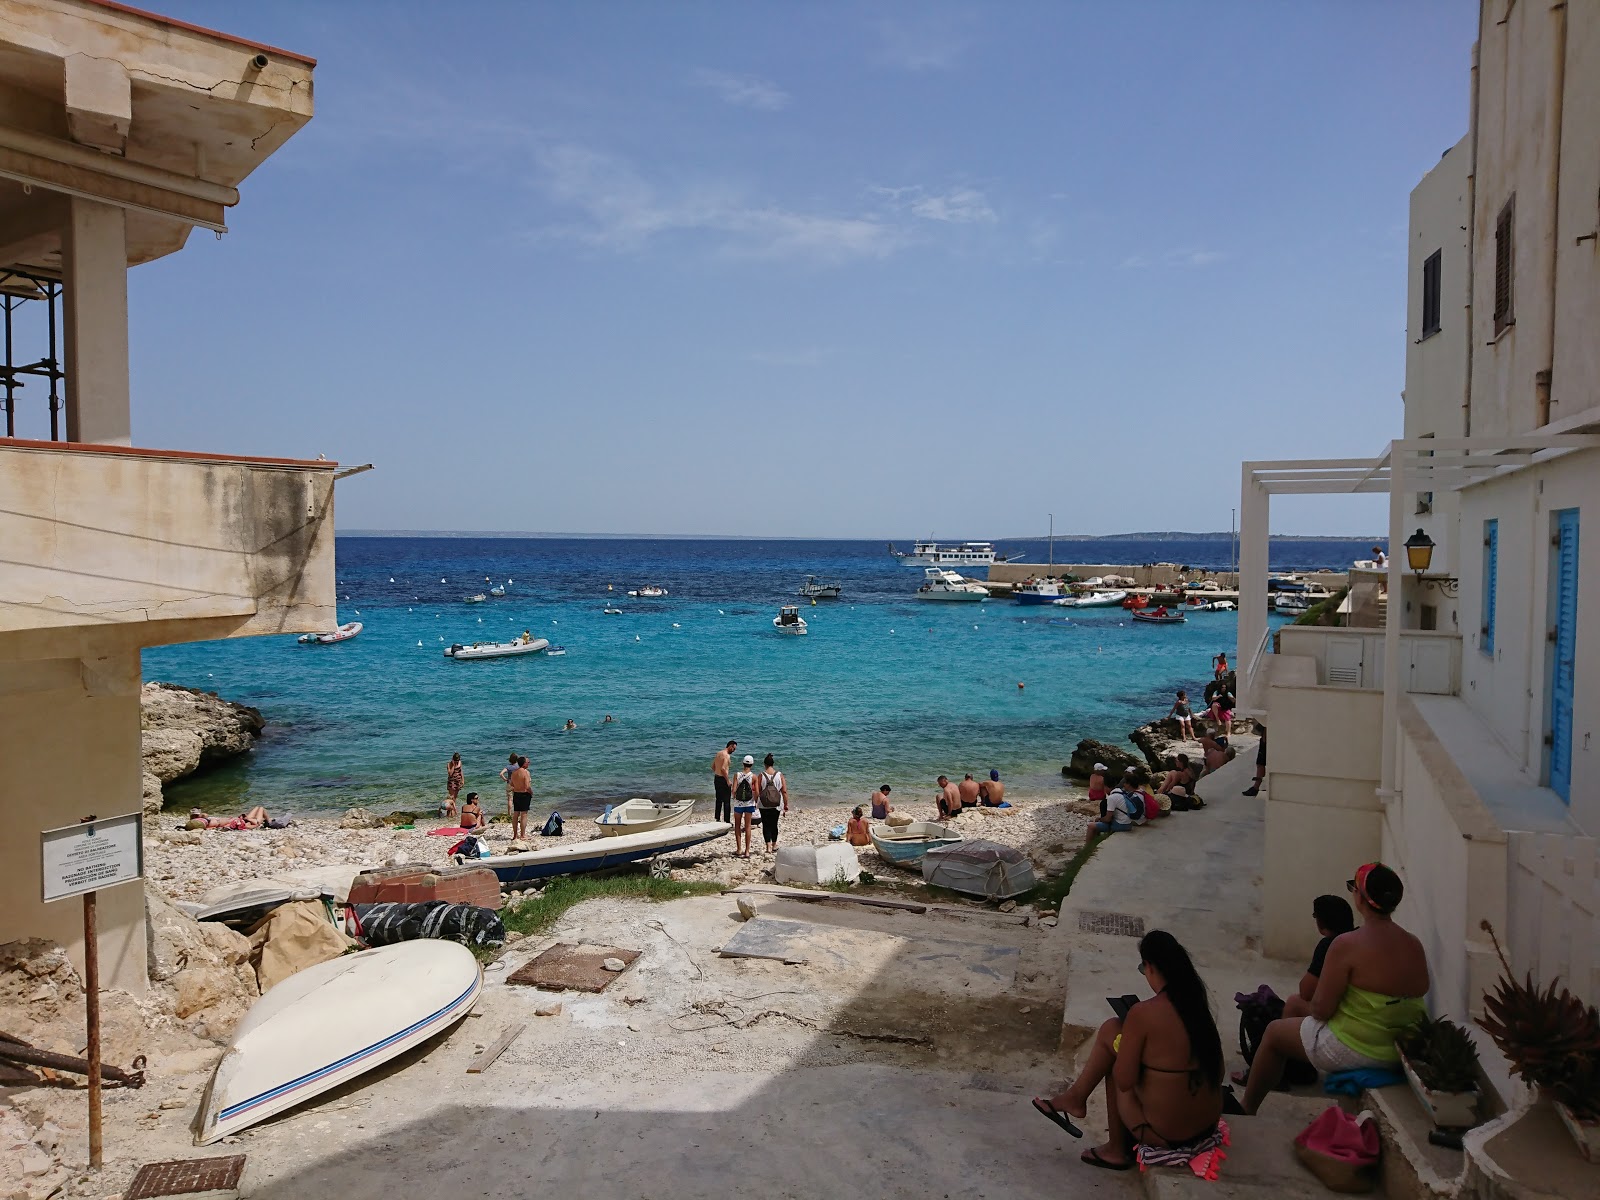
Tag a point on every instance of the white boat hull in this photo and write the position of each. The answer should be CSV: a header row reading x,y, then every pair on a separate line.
x,y
332,1022
342,634
1094,600
941,594
597,853
640,815
496,649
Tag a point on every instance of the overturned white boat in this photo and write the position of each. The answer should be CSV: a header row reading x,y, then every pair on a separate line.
x,y
497,649
641,815
980,868
1092,600
342,634
326,1025
573,858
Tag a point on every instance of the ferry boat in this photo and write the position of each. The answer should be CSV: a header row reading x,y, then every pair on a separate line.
x,y
940,584
946,554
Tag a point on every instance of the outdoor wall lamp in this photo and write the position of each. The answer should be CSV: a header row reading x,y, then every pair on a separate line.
x,y
1419,552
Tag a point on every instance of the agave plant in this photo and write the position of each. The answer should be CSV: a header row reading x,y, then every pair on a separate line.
x,y
1443,1055
1550,1038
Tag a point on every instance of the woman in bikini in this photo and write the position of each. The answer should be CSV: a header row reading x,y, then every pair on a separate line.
x,y
1161,1064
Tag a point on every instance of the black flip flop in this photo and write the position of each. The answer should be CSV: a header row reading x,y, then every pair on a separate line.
x,y
1092,1157
1051,1113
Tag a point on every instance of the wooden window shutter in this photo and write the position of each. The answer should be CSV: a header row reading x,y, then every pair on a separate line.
x,y
1504,263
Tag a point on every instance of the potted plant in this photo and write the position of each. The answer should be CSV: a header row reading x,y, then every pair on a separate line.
x,y
1441,1064
1552,1041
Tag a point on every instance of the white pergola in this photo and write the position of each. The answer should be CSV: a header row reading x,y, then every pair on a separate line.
x,y
1405,466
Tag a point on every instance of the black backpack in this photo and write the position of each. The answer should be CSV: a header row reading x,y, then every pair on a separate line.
x,y
553,826
742,793
1257,1010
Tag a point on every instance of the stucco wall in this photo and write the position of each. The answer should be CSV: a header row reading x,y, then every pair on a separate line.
x,y
95,540
1323,818
69,741
1510,692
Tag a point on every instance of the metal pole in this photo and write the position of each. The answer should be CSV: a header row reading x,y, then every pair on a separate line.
x,y
91,1004
11,379
50,294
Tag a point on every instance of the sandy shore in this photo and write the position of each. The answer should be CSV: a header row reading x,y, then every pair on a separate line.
x,y
186,866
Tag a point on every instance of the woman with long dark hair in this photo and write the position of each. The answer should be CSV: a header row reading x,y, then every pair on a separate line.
x,y
1161,1064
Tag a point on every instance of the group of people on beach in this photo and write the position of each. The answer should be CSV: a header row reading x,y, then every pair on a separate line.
x,y
1161,1060
741,794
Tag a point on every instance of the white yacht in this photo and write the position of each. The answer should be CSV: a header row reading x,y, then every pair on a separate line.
x,y
946,554
939,584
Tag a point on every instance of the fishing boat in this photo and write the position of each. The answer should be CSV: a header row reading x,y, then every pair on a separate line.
x,y
939,554
497,649
1159,616
342,634
1292,605
904,845
814,589
328,1024
648,591
556,652
1037,591
939,584
641,816
477,599
1092,600
576,857
789,620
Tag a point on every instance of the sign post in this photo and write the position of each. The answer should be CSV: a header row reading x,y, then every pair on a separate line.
x,y
78,860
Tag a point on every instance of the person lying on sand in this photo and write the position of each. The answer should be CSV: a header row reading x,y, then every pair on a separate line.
x,y
255,818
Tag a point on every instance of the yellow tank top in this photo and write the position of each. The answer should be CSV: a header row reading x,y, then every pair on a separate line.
x,y
1369,1022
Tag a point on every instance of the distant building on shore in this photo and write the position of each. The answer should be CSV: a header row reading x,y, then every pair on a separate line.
x,y
1447,728
121,134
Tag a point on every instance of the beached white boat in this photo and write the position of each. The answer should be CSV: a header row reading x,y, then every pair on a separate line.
x,y
324,1026
342,634
815,589
650,590
904,845
640,815
1092,600
940,554
572,858
497,649
789,620
940,584
980,868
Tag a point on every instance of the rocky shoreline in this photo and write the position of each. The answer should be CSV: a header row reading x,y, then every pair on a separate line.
x,y
185,731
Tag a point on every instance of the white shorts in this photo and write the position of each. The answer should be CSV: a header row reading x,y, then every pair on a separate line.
x,y
1327,1053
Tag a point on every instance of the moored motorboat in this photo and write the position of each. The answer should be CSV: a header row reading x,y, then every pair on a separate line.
x,y
342,634
497,591
904,845
789,620
611,611
641,815
556,652
1159,616
1092,600
573,858
940,584
479,598
327,1024
1037,591
523,645
1213,606
815,589
648,591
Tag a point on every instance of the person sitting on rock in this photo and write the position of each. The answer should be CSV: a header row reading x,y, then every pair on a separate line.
x,y
1184,714
881,808
992,794
1097,787
948,799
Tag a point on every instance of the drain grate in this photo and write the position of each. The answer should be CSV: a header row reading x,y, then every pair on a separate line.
x,y
1110,922
187,1177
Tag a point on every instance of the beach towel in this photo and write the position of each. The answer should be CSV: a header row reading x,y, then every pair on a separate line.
x,y
1204,1155
454,831
1353,1083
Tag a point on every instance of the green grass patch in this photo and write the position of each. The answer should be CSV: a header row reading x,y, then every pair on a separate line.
x,y
1325,612
1052,892
538,913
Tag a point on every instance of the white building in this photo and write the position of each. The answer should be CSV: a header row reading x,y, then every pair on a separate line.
x,y
120,133
1453,737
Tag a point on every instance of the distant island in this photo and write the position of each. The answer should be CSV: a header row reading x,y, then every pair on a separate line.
x,y
1176,536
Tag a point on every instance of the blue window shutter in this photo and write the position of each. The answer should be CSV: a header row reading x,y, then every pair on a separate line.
x,y
1563,666
1491,573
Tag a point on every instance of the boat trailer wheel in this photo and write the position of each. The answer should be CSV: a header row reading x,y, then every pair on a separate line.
x,y
660,868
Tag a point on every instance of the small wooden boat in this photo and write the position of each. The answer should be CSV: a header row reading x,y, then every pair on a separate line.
x,y
640,815
477,599
324,1026
496,649
789,620
573,858
1159,616
980,868
342,634
904,845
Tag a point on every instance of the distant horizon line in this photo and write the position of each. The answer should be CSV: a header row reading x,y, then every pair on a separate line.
x,y
1159,535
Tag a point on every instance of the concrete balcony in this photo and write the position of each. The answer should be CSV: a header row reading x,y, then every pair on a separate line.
x,y
105,549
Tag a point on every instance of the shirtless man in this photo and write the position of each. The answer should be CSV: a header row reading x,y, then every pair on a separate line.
x,y
949,798
722,781
994,792
520,783
969,792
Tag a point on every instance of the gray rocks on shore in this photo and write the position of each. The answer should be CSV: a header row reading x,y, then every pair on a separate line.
x,y
185,731
1091,751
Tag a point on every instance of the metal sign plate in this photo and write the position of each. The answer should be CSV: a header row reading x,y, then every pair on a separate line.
x,y
88,857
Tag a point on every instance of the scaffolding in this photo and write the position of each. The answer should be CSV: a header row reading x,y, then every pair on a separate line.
x,y
19,289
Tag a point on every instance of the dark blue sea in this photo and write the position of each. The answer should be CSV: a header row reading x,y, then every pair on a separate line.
x,y
884,688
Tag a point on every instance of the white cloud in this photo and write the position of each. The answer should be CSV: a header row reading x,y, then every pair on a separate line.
x,y
743,91
927,42
959,205
1173,258
621,211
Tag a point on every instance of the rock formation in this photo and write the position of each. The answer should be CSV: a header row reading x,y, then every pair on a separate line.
x,y
186,731
204,963
1090,751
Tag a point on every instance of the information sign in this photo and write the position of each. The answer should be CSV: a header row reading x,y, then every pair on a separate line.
x,y
96,854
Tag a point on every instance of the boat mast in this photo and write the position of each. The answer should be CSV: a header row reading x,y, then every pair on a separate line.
x,y
1052,540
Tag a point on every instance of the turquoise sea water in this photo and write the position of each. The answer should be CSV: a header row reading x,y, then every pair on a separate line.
x,y
885,688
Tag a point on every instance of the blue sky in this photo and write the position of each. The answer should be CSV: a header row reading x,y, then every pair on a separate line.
x,y
826,269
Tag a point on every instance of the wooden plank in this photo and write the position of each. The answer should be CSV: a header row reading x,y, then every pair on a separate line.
x,y
767,889
482,1063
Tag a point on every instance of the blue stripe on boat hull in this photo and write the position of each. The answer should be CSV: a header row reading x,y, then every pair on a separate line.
x,y
576,864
